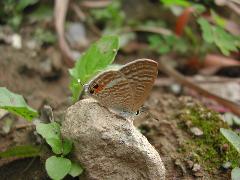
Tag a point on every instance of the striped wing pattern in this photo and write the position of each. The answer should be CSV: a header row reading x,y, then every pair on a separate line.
x,y
141,75
116,92
127,88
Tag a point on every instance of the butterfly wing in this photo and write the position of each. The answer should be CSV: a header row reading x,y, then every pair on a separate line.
x,y
141,75
112,89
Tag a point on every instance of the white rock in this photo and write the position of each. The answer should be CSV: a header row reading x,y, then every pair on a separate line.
x,y
196,131
76,35
196,167
16,41
3,113
109,146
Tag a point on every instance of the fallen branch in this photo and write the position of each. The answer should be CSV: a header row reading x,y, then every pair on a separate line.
x,y
163,81
83,17
217,61
182,80
157,30
60,10
95,4
80,14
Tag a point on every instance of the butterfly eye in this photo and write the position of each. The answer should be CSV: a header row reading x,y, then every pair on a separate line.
x,y
91,91
95,86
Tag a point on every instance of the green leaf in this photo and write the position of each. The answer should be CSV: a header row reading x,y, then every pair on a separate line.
x,y
56,145
224,41
43,12
51,132
15,21
16,104
112,16
97,57
158,43
218,19
182,3
67,146
217,35
21,151
76,170
232,137
207,30
235,174
166,44
198,8
21,5
48,131
45,36
57,167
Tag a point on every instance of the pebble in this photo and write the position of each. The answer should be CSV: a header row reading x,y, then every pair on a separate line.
x,y
190,164
196,131
16,41
196,167
3,113
227,165
199,174
176,88
231,119
189,124
225,147
76,35
33,45
180,164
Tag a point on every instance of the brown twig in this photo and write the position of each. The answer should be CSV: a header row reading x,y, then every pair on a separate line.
x,y
82,17
80,14
95,4
181,79
233,6
167,81
157,30
23,126
214,60
60,10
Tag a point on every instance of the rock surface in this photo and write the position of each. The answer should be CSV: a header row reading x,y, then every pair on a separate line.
x,y
109,146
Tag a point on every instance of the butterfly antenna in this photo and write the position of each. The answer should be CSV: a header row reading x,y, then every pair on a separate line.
x,y
83,91
79,81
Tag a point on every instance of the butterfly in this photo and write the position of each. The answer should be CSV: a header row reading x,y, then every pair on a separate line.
x,y
126,88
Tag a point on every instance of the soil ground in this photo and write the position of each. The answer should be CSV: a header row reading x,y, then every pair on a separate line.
x,y
21,72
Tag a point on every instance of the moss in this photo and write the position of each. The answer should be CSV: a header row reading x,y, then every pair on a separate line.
x,y
207,150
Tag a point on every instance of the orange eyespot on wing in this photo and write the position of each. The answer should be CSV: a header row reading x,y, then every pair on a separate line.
x,y
98,89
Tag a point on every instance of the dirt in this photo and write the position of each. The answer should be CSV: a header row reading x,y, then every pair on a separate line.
x,y
21,72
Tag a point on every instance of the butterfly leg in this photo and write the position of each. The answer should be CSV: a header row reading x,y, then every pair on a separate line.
x,y
138,111
85,86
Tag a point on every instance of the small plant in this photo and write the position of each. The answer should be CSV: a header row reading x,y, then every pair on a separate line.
x,y
16,104
212,37
58,166
98,56
218,36
112,16
167,44
11,11
44,36
207,148
234,139
182,3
